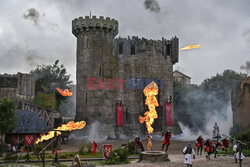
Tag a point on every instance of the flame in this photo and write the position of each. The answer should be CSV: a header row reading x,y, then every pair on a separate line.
x,y
65,127
150,92
65,92
188,47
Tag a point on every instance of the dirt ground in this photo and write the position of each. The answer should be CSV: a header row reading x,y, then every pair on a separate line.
x,y
175,155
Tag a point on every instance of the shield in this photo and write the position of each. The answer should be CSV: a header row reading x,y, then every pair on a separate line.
x,y
29,140
106,150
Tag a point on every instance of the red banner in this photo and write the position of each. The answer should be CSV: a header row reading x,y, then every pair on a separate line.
x,y
106,150
168,110
119,111
29,140
94,147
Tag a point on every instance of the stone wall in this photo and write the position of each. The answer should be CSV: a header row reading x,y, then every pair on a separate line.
x,y
101,56
18,87
241,105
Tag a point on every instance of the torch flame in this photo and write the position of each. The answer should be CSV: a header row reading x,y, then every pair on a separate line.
x,y
188,47
150,92
65,127
65,92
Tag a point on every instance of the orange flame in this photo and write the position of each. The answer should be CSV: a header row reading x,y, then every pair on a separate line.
x,y
188,47
150,92
65,127
65,92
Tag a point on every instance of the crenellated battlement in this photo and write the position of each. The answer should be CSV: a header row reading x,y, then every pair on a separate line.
x,y
101,24
133,45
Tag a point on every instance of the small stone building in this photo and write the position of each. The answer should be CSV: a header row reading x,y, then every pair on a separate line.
x,y
182,78
113,72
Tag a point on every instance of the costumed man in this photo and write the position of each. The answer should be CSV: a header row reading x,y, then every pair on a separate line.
x,y
239,154
199,145
188,151
216,145
225,144
208,148
166,140
149,147
54,150
138,143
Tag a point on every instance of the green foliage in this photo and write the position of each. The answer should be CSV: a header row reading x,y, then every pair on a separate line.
x,y
118,156
243,136
45,100
48,77
38,148
7,116
89,147
81,150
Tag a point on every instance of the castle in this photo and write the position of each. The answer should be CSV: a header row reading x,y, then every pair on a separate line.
x,y
112,72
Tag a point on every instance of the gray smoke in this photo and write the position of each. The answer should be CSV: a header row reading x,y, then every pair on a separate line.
x,y
90,133
67,107
33,15
152,5
246,67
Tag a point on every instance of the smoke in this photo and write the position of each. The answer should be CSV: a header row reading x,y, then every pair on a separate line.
x,y
246,67
33,15
90,133
152,5
199,108
68,106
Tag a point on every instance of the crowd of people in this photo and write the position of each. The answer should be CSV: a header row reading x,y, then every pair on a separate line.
x,y
209,146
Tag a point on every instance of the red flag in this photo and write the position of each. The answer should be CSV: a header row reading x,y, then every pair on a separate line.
x,y
55,152
119,110
168,113
94,147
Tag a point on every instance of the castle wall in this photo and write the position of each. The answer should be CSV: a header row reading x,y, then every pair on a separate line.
x,y
101,56
241,106
18,87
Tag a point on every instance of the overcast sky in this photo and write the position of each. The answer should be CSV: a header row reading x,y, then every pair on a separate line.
x,y
34,32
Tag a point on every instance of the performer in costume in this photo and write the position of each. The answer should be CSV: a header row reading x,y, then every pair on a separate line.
x,y
166,140
188,151
149,147
225,144
138,143
208,148
199,144
216,145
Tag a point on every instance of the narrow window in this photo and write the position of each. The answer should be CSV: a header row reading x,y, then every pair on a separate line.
x,y
86,98
121,48
87,43
100,71
168,49
132,49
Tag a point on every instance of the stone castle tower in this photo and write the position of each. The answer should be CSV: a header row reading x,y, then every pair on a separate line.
x,y
125,62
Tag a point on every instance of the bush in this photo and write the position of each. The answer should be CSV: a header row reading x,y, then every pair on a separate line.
x,y
38,148
244,136
89,147
81,150
118,156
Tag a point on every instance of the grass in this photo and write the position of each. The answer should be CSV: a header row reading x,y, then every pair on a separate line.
x,y
231,152
62,155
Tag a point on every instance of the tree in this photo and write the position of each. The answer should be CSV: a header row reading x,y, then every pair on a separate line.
x,y
48,77
7,116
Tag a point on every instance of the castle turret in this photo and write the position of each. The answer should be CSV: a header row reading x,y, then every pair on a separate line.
x,y
94,59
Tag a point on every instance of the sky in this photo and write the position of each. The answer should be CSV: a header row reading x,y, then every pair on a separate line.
x,y
36,32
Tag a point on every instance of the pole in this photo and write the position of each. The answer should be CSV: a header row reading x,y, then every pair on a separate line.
x,y
235,139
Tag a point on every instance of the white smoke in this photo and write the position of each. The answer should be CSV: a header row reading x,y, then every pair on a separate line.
x,y
92,133
224,121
